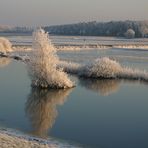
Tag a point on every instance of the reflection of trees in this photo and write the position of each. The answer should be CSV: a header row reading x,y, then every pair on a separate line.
x,y
104,86
41,108
4,61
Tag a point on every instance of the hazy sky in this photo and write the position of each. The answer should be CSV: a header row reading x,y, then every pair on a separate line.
x,y
49,12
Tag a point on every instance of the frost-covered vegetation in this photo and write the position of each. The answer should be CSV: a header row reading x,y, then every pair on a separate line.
x,y
10,29
4,28
130,33
42,65
101,68
113,28
48,71
5,45
105,68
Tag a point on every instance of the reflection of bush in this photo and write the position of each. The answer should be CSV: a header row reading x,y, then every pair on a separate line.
x,y
4,61
105,86
41,108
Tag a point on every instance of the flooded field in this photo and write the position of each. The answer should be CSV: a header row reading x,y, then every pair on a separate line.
x,y
97,113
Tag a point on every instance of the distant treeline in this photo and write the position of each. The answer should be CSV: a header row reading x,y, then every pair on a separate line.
x,y
112,28
128,29
16,30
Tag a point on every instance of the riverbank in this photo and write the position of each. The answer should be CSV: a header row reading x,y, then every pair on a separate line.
x,y
10,138
22,48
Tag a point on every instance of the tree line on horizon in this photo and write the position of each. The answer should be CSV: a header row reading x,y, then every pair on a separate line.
x,y
112,28
129,29
17,30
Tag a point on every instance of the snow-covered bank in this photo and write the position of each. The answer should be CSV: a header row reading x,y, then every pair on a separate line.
x,y
7,46
131,46
98,46
11,138
81,47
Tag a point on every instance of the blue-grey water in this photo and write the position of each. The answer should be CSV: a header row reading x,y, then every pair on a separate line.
x,y
96,113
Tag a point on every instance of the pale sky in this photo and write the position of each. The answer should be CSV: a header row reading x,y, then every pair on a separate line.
x,y
55,12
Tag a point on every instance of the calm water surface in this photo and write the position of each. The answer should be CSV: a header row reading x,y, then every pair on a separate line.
x,y
96,113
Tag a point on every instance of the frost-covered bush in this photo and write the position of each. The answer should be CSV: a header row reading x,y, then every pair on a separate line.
x,y
43,62
69,67
130,33
107,68
101,68
5,45
135,74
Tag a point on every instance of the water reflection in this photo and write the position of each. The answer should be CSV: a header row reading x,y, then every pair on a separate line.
x,y
4,61
103,86
106,87
41,109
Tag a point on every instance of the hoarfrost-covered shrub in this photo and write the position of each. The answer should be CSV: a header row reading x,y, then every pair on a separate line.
x,y
43,62
5,45
101,68
107,68
130,33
